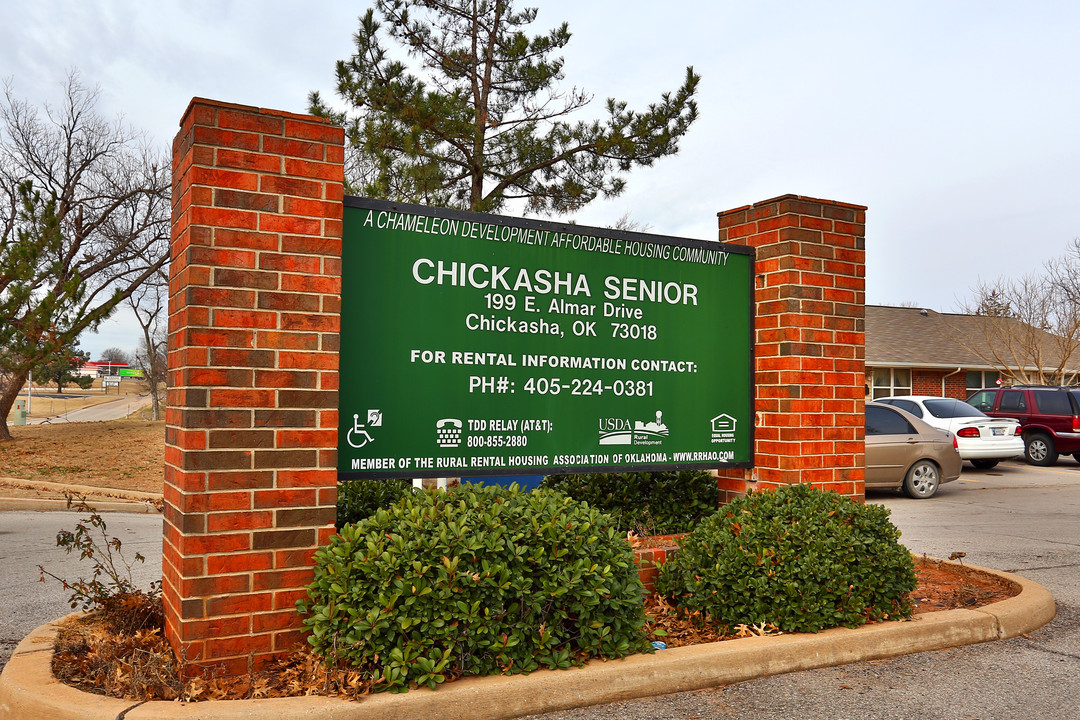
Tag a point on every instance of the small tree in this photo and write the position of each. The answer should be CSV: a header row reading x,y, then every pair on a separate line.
x,y
63,367
483,121
149,304
1029,327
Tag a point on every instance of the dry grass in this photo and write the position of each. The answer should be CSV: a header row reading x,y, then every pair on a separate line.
x,y
127,454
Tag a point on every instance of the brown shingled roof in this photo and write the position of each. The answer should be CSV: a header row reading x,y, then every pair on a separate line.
x,y
915,337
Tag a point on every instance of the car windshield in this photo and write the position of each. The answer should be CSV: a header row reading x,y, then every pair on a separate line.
x,y
948,408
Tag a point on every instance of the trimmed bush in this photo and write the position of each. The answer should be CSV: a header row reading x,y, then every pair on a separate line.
x,y
796,557
357,499
477,580
649,503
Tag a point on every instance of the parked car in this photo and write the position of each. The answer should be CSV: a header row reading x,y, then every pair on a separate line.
x,y
982,440
904,453
1049,417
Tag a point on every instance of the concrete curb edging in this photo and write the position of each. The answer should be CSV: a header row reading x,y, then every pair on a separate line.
x,y
28,689
103,499
46,505
1023,613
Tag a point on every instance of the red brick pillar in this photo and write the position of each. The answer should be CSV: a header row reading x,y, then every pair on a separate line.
x,y
251,438
809,335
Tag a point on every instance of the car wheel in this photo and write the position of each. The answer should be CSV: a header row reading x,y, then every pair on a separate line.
x,y
922,480
984,464
1076,456
1039,450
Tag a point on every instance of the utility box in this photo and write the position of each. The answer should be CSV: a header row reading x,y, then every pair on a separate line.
x,y
20,412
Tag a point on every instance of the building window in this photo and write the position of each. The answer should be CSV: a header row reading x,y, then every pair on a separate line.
x,y
979,379
891,382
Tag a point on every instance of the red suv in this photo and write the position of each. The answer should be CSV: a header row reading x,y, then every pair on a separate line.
x,y
1049,418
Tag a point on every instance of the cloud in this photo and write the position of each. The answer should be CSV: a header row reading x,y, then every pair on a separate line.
x,y
952,122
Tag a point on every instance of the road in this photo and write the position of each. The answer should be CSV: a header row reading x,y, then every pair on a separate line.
x,y
112,410
28,539
1016,518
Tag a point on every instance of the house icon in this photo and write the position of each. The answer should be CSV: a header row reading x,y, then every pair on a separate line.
x,y
723,423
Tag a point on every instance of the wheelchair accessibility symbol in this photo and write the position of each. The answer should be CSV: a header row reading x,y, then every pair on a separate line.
x,y
357,436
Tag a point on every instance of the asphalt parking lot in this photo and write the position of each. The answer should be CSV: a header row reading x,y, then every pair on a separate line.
x,y
1014,517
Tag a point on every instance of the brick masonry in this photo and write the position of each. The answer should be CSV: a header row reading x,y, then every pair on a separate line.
x,y
251,437
955,385
935,382
254,319
649,559
809,343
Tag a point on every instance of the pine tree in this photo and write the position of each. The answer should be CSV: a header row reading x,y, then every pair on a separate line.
x,y
61,368
484,121
84,220
36,295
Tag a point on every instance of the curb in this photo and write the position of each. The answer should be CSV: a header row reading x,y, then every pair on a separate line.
x,y
28,689
103,499
44,505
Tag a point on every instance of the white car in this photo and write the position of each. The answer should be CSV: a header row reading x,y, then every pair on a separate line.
x,y
982,440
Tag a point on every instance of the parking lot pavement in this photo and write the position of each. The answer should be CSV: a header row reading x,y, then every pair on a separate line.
x,y
1014,517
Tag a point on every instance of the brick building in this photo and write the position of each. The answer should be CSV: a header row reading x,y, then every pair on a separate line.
x,y
913,351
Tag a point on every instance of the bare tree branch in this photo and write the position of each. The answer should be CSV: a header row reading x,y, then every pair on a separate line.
x,y
150,305
1029,327
84,221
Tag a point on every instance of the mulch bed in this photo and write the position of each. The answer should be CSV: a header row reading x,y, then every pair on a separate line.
x,y
141,665
945,587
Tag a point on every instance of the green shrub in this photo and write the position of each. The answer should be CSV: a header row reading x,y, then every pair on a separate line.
x,y
650,503
477,580
358,499
125,607
796,557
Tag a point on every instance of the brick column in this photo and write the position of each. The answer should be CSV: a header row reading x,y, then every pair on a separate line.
x,y
809,334
251,437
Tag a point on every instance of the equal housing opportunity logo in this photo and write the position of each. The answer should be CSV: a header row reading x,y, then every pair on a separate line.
x,y
723,428
619,431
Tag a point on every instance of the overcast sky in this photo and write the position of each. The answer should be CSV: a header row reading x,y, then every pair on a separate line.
x,y
955,122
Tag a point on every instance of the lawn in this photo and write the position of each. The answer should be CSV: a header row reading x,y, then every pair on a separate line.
x,y
127,454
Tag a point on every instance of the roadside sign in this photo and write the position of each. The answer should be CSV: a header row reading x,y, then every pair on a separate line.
x,y
484,345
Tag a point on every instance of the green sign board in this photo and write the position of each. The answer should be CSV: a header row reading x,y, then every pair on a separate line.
x,y
130,372
483,345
